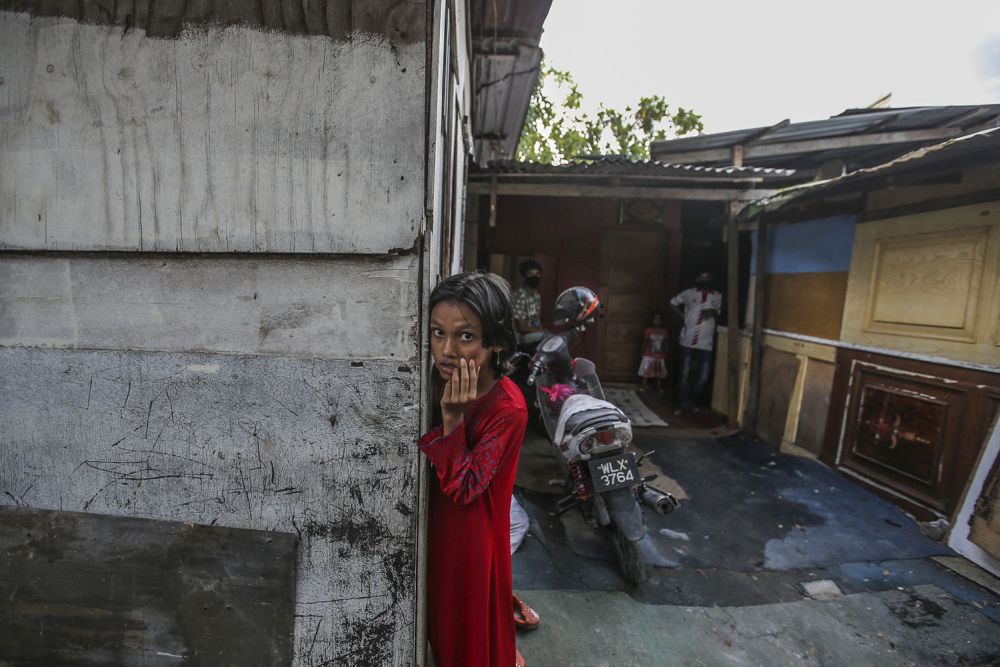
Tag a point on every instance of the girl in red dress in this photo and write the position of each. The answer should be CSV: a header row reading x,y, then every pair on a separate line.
x,y
654,352
474,454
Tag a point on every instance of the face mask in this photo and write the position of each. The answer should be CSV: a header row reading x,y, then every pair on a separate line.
x,y
533,281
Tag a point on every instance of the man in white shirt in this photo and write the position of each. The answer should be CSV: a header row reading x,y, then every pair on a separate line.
x,y
701,305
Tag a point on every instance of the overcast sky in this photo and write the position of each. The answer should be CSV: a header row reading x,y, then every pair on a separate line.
x,y
753,63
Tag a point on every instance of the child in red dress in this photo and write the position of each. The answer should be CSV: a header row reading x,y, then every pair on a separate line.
x,y
474,454
654,348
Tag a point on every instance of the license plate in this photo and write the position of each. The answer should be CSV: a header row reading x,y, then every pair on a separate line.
x,y
614,472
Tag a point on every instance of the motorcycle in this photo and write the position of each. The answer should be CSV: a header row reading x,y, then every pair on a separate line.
x,y
592,437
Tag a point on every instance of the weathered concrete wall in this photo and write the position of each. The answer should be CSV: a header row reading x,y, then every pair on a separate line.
x,y
320,448
266,389
228,139
329,308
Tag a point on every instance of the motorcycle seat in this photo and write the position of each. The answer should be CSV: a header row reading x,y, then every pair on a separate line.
x,y
581,411
607,416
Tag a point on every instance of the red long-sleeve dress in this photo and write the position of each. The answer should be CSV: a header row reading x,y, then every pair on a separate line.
x,y
470,618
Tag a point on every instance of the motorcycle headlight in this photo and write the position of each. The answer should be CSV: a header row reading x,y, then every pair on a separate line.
x,y
587,445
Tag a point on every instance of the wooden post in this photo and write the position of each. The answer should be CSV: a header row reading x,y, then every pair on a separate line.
x,y
493,202
738,155
757,342
733,315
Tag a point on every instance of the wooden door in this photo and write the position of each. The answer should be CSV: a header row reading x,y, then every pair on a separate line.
x,y
633,269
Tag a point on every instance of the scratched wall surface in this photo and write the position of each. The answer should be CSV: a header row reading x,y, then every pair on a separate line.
x,y
276,387
219,139
320,448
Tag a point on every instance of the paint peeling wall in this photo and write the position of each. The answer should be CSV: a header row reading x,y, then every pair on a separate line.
x,y
277,388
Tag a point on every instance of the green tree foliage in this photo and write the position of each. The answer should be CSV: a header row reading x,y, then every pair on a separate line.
x,y
557,130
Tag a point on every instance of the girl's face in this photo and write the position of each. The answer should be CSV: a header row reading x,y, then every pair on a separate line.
x,y
657,320
456,333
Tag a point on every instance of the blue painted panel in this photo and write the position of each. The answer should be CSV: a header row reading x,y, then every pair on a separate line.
x,y
809,247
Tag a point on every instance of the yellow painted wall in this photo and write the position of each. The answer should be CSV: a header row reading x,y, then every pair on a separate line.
x,y
929,284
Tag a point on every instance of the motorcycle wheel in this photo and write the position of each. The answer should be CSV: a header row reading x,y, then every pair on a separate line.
x,y
629,556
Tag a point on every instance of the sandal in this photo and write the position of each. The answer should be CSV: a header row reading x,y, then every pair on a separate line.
x,y
525,617
518,659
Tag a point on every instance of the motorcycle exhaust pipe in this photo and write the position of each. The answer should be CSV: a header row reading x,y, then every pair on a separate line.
x,y
662,503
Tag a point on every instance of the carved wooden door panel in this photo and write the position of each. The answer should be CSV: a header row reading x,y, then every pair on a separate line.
x,y
904,432
911,430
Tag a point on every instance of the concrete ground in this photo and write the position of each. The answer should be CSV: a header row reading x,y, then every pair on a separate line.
x,y
726,571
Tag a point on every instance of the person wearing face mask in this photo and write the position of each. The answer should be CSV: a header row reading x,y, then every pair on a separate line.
x,y
527,304
698,307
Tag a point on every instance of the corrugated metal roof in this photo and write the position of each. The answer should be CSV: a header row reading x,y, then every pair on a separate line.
x,y
505,60
985,142
623,167
850,123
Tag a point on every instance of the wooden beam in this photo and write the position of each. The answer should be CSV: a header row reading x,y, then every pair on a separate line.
x,y
757,342
616,180
809,145
733,315
620,192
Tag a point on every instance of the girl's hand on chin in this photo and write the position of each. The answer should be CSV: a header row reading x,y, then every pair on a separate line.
x,y
459,392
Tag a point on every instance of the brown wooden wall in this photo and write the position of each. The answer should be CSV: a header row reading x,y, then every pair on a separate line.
x,y
629,255
910,426
811,304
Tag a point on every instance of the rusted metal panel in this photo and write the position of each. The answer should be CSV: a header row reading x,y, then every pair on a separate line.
x,y
86,589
